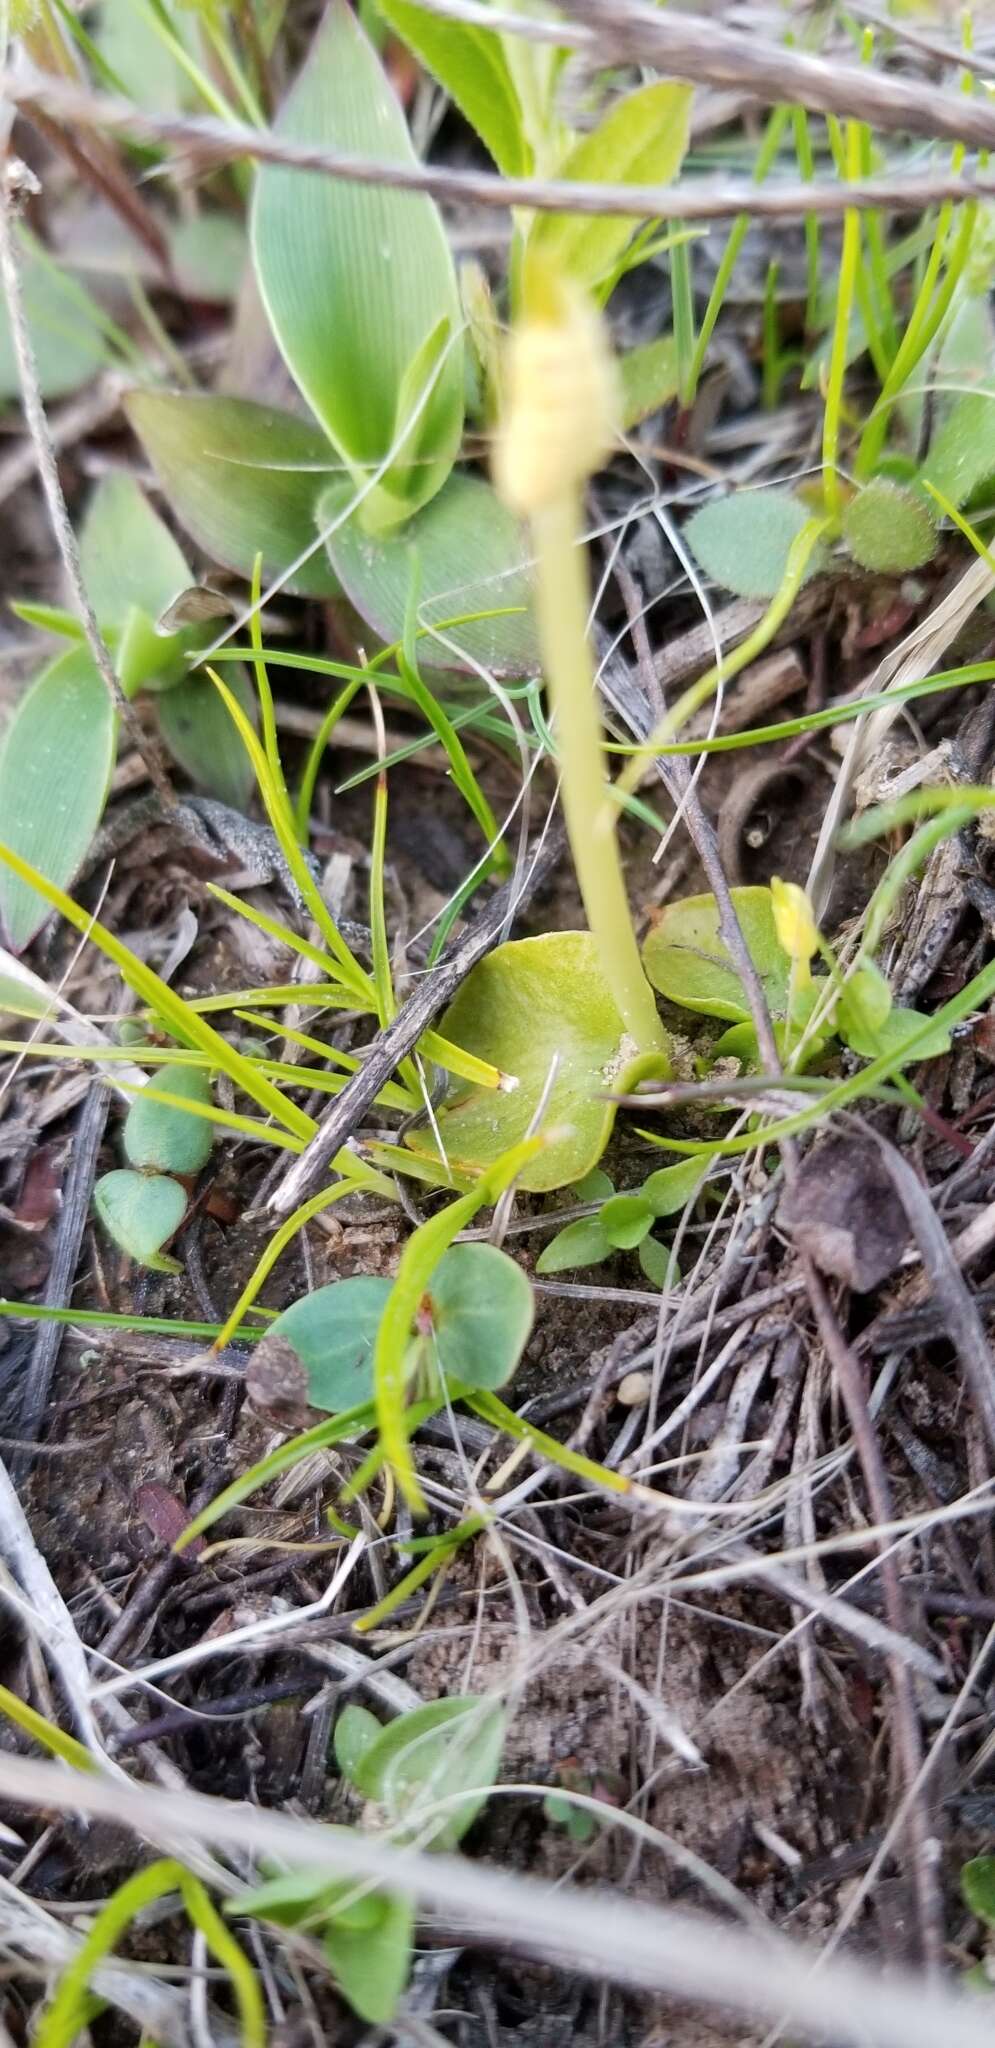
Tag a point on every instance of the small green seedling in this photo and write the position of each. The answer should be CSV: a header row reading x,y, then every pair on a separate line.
x,y
471,1327
141,1206
428,1773
625,1222
977,1883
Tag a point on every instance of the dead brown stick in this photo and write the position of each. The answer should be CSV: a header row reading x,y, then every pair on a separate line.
x,y
205,143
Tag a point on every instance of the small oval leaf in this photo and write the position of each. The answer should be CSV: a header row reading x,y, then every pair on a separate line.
x,y
56,759
450,1746
581,1243
626,1220
141,1212
204,740
742,542
686,958
482,1309
333,1332
890,528
165,1139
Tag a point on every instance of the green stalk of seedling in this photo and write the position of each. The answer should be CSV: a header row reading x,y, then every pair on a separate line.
x,y
766,156
849,265
559,425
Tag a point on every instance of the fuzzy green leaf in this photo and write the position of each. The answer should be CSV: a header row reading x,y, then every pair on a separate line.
x,y
141,1212
470,65
450,1746
889,528
481,1308
530,1002
582,1243
158,1136
201,737
469,555
243,479
355,278
649,378
686,959
56,759
641,140
742,541
962,455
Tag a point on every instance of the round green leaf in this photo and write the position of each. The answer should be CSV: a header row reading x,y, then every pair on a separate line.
x,y
481,1306
333,1332
356,1729
742,541
141,1212
467,554
889,528
686,959
450,1746
163,1138
626,1220
56,759
530,1002
673,1187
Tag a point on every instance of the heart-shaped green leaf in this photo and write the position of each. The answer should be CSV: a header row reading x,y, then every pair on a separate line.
x,y
163,1138
472,68
467,554
686,959
200,735
141,1212
452,1746
356,278
742,542
128,555
641,140
481,1308
56,759
538,1008
333,1332
244,479
890,528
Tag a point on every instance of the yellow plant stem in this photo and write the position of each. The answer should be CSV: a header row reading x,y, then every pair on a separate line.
x,y
562,605
699,693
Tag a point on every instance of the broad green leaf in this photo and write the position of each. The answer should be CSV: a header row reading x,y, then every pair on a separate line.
x,y
355,278
649,378
673,1187
898,1028
149,72
293,1897
865,1003
333,1332
209,253
686,959
582,1243
356,1729
977,1882
65,330
163,1138
469,555
742,541
641,141
530,1004
626,1220
962,455
890,528
201,737
595,1186
128,555
451,1746
56,759
243,479
141,1212
470,65
481,1308
371,1965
